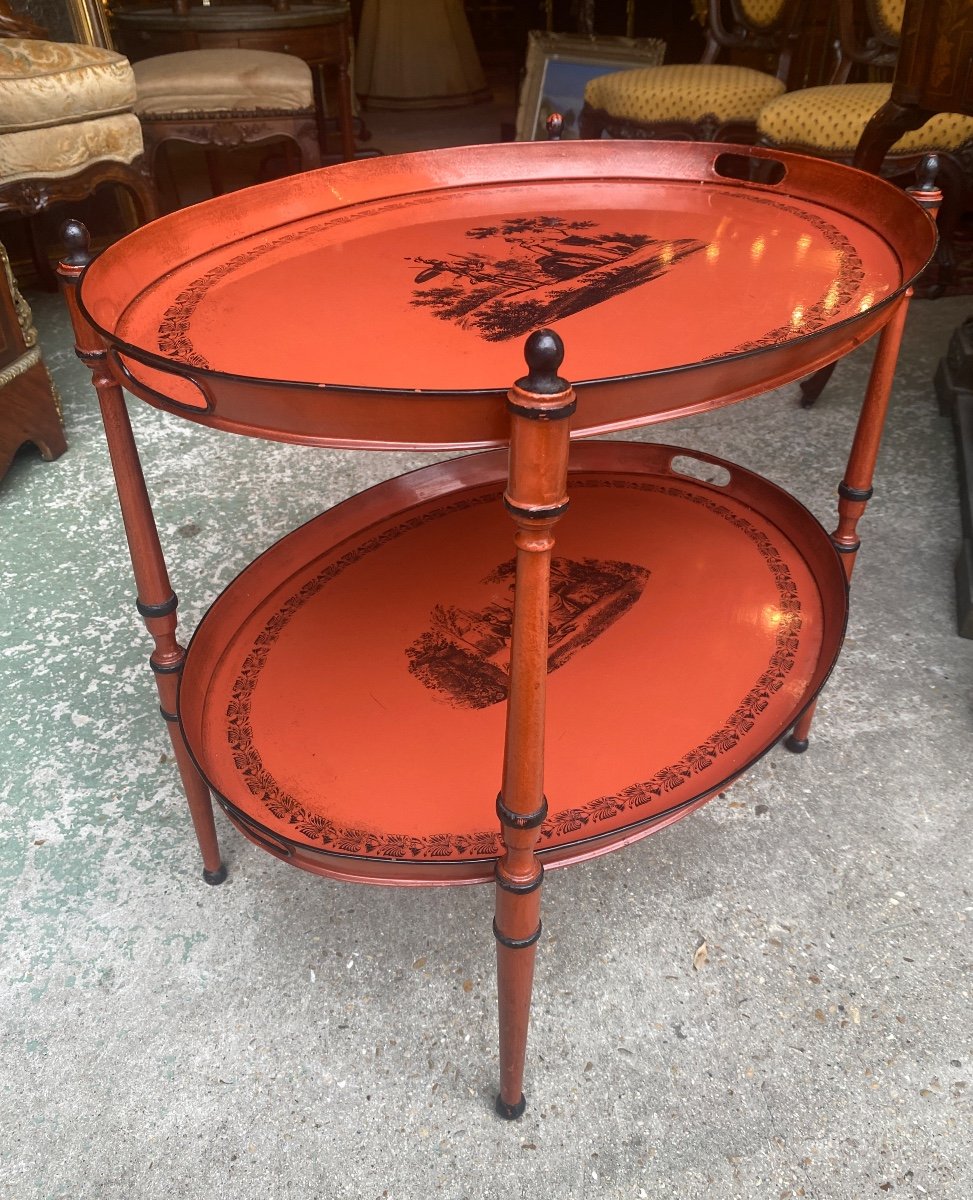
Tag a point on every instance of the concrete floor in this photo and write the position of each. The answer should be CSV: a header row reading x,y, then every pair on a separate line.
x,y
287,1036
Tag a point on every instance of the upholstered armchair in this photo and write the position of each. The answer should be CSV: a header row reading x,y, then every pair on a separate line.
x,y
67,124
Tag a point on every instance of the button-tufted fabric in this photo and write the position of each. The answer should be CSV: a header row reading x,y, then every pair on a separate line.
x,y
832,119
762,13
53,83
684,93
887,16
222,81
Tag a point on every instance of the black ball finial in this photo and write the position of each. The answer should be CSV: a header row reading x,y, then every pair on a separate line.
x,y
544,353
77,243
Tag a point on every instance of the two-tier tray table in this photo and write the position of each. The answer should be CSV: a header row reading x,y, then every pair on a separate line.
x,y
357,698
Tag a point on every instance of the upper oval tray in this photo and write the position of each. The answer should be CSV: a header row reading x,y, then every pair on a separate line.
x,y
385,302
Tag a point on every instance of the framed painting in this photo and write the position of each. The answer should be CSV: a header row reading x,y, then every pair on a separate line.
x,y
559,65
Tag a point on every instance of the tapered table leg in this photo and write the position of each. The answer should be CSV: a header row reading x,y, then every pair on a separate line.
x,y
855,489
156,602
536,497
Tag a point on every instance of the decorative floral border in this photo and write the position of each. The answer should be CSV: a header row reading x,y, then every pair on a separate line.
x,y
314,828
848,281
175,341
174,338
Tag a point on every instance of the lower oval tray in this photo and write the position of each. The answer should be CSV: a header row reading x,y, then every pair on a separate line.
x,y
344,697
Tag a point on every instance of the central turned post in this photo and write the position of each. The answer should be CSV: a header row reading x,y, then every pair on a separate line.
x,y
540,406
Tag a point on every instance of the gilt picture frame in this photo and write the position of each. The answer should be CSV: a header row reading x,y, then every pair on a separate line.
x,y
558,67
89,23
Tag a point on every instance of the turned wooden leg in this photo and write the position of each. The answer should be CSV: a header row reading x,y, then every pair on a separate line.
x,y
855,490
156,602
536,497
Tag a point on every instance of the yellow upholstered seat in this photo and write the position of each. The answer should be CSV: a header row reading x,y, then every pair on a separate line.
x,y
831,120
684,93
704,101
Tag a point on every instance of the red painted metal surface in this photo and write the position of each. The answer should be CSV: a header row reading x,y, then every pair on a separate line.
x,y
354,697
384,302
345,696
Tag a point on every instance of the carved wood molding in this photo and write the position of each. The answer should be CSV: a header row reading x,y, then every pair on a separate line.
x,y
20,366
34,195
709,128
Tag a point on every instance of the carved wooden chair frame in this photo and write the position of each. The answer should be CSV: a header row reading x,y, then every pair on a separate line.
x,y
216,131
736,33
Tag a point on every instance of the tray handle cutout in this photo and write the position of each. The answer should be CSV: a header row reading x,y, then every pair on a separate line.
x,y
698,468
750,168
170,390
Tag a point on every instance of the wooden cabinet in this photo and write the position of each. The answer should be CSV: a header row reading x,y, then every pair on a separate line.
x,y
29,407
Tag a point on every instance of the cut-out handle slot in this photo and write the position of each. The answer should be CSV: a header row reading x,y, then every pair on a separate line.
x,y
750,168
699,468
169,389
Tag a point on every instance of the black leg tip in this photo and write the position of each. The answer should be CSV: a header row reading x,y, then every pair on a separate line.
x,y
510,1112
217,876
796,745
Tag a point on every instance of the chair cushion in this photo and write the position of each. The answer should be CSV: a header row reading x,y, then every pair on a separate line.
x,y
52,83
888,15
60,150
762,13
209,81
830,120
683,93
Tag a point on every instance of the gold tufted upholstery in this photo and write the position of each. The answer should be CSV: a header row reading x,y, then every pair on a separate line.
x,y
831,120
222,80
887,15
762,13
683,93
705,101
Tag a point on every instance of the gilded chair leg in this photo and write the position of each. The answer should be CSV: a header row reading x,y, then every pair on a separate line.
x,y
157,602
536,497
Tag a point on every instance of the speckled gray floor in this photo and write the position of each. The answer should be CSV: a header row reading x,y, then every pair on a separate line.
x,y
287,1036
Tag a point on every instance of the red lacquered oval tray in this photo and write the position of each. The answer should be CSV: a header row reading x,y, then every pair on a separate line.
x,y
344,696
385,302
